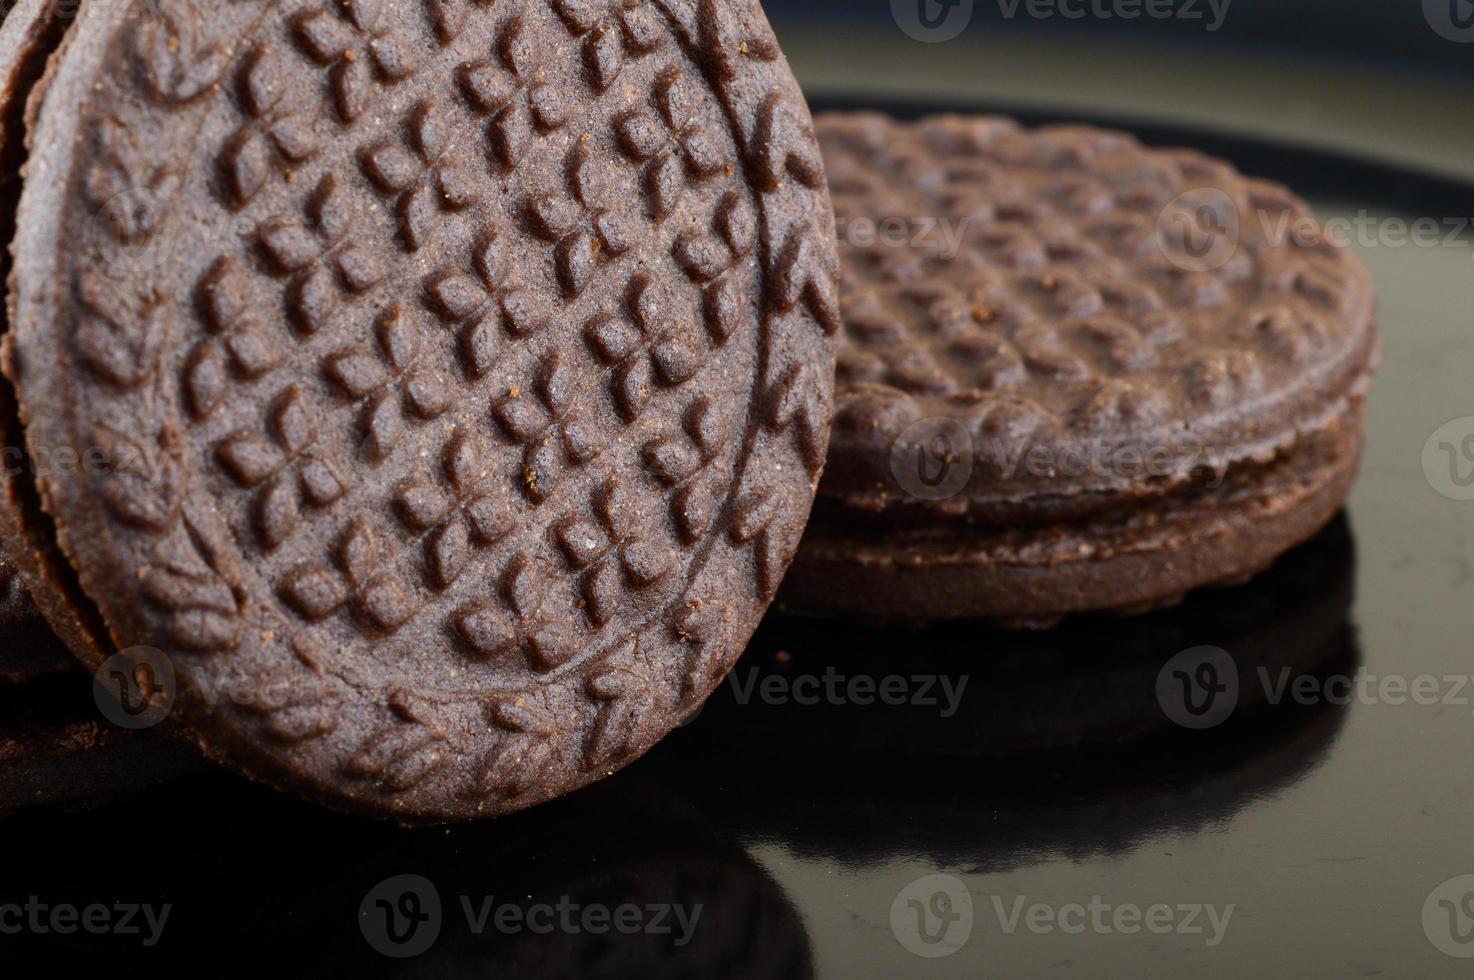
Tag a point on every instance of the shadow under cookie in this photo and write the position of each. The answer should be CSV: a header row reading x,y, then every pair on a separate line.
x,y
1066,739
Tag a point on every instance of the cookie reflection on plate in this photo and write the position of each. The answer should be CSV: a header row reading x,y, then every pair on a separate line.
x,y
628,879
1070,740
663,893
57,750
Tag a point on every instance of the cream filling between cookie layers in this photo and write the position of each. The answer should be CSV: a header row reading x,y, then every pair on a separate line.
x,y
1072,528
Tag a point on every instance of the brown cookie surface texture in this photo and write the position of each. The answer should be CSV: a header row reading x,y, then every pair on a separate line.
x,y
459,374
1075,373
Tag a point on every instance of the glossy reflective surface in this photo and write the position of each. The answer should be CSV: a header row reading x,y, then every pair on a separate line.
x,y
784,830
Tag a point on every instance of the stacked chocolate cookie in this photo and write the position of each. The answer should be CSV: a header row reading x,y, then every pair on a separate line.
x,y
1114,374
420,407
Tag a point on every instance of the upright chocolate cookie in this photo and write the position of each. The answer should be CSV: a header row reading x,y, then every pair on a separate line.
x,y
459,374
1075,373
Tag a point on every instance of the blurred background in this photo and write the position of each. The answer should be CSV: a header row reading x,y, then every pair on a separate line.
x,y
1384,79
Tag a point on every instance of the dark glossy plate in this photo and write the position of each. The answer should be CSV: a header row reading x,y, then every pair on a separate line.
x,y
795,827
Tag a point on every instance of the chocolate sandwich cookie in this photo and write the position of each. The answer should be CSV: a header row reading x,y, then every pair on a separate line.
x,y
1075,374
28,34
452,380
